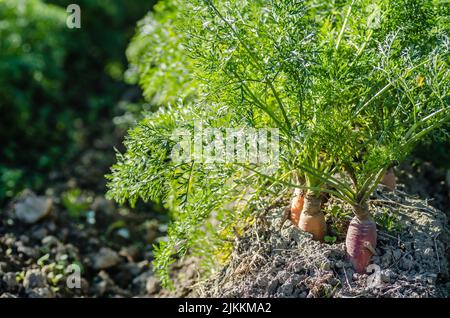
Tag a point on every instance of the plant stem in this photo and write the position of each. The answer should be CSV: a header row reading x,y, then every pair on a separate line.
x,y
344,25
361,211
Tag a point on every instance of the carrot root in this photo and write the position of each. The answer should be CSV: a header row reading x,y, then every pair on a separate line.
x,y
389,180
312,220
361,242
314,224
296,207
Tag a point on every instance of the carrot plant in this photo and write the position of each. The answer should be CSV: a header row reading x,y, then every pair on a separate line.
x,y
157,59
347,92
399,94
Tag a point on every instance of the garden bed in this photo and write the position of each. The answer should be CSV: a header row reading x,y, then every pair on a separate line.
x,y
111,245
411,262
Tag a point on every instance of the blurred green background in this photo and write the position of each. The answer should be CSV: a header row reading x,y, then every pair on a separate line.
x,y
59,86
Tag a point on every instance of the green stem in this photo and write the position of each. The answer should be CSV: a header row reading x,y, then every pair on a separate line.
x,y
343,196
255,61
344,25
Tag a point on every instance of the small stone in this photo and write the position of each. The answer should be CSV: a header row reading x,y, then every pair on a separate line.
x,y
34,279
132,253
145,264
431,278
105,258
31,208
139,283
50,240
339,264
3,267
44,292
10,281
10,240
51,226
28,251
153,285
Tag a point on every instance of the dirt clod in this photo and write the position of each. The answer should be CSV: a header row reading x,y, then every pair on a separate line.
x,y
31,208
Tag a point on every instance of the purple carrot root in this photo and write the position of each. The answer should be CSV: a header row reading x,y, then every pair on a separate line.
x,y
361,243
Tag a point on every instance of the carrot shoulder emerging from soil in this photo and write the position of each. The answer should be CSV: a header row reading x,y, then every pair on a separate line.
x,y
312,219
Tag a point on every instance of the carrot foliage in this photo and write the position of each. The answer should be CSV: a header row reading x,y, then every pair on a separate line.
x,y
351,87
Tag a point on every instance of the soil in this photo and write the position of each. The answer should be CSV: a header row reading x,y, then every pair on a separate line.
x,y
111,245
411,258
426,181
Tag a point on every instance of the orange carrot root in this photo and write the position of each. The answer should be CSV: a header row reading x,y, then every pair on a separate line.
x,y
312,220
314,224
296,207
361,242
389,180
